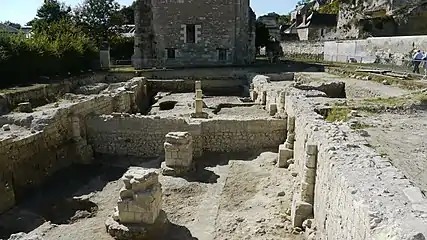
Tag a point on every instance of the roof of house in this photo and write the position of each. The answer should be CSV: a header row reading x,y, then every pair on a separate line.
x,y
320,19
7,28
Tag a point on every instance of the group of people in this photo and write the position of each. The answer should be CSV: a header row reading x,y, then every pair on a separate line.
x,y
418,59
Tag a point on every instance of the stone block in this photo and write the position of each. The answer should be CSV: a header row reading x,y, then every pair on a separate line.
x,y
198,105
311,149
291,124
178,150
140,198
272,109
310,161
300,212
284,155
307,192
25,107
309,175
198,85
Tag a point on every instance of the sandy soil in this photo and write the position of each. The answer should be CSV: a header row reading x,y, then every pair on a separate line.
x,y
356,89
402,138
232,196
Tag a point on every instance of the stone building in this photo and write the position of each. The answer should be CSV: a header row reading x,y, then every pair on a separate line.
x,y
188,33
317,26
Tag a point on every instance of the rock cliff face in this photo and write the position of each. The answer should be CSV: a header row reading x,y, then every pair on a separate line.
x,y
363,18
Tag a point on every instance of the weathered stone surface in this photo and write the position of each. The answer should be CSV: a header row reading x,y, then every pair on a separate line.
x,y
6,127
138,231
25,107
284,155
163,38
140,198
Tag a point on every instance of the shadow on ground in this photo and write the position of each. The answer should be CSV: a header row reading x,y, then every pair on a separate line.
x,y
57,201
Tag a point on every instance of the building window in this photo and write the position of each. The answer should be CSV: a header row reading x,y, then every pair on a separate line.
x,y
170,53
191,33
222,54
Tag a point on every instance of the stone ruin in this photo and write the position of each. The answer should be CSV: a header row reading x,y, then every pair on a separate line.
x,y
198,102
178,154
138,214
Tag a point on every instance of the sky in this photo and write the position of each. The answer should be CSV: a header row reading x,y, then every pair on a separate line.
x,y
22,11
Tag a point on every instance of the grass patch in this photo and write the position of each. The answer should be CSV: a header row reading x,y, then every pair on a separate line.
x,y
337,114
359,125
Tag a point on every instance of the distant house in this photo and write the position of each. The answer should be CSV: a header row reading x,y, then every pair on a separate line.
x,y
6,29
317,26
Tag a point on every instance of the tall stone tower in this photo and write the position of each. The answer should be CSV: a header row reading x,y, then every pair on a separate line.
x,y
144,48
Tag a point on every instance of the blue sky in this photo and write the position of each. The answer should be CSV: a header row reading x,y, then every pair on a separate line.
x,y
22,11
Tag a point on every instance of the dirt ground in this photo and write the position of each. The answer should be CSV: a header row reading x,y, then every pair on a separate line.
x,y
231,196
402,138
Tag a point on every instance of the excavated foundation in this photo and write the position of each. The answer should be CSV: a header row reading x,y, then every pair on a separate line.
x,y
322,180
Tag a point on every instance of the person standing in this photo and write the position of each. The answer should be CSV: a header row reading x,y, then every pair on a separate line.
x,y
424,61
417,58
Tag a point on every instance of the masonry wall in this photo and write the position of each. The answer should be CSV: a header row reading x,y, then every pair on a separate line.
x,y
143,136
220,86
302,49
396,50
214,29
42,94
358,194
56,140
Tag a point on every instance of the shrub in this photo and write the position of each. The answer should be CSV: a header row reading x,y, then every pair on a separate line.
x,y
54,49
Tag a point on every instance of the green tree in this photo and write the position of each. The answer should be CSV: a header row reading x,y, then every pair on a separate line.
x,y
284,19
99,18
127,14
53,11
262,36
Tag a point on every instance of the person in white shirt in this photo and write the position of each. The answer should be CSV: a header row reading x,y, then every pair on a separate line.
x,y
417,58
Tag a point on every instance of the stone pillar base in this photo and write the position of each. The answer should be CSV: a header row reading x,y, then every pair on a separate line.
x,y
138,231
285,154
176,171
200,115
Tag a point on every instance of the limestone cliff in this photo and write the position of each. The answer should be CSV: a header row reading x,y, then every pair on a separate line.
x,y
363,18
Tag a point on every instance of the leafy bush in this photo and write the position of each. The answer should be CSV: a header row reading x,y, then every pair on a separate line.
x,y
54,49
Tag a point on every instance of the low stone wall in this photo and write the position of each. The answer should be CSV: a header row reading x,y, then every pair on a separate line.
x,y
42,142
350,191
42,94
196,73
137,135
230,86
358,194
394,50
303,50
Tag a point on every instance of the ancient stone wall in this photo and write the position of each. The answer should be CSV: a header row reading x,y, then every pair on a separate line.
x,y
395,50
358,194
302,50
351,191
137,135
42,94
215,86
52,138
